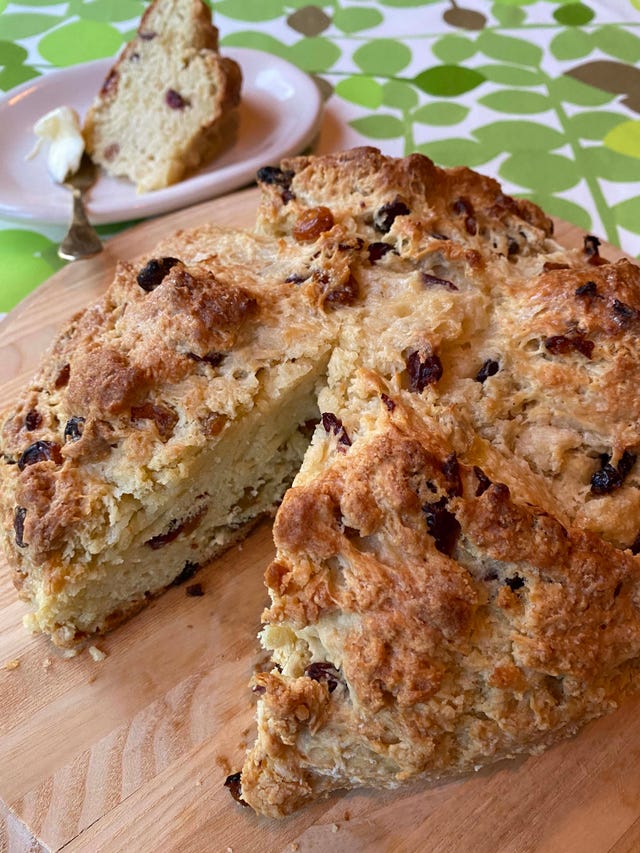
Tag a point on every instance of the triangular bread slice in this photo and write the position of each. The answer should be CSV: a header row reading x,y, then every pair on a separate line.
x,y
427,619
168,104
164,421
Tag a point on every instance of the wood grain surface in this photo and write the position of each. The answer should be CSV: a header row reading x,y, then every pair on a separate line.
x,y
130,753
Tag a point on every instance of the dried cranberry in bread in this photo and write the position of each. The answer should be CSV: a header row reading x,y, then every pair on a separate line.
x,y
167,106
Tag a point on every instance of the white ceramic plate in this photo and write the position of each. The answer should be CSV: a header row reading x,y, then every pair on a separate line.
x,y
279,116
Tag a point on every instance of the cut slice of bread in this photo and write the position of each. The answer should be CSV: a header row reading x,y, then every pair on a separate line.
x,y
167,106
165,420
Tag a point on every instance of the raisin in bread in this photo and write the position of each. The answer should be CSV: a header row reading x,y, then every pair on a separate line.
x,y
168,104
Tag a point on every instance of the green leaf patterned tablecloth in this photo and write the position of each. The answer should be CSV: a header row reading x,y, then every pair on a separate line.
x,y
543,95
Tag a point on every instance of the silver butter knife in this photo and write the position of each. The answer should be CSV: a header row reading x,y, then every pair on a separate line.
x,y
81,240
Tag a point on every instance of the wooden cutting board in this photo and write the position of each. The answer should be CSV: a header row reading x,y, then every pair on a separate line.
x,y
130,753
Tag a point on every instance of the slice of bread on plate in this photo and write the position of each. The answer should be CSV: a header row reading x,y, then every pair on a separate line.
x,y
168,105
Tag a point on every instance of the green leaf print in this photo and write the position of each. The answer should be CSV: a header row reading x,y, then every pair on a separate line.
x,y
610,165
379,126
364,91
591,124
563,209
453,49
566,88
627,214
314,54
405,3
15,75
448,80
20,25
573,14
519,136
516,102
108,10
290,4
257,41
508,16
624,138
402,96
510,75
354,20
456,152
12,53
441,113
572,44
509,49
13,72
550,173
80,41
618,42
27,259
250,10
382,57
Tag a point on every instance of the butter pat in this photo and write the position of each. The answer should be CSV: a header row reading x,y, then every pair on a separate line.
x,y
61,128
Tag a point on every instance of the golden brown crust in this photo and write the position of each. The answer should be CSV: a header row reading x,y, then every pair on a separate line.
x,y
361,183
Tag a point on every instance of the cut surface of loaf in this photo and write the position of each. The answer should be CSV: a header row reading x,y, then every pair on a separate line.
x,y
165,420
167,106
456,578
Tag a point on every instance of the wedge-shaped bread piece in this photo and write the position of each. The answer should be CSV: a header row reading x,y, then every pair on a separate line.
x,y
165,419
168,104
425,619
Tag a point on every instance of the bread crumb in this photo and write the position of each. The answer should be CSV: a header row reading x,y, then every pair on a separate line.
x,y
295,845
334,827
46,663
12,664
96,653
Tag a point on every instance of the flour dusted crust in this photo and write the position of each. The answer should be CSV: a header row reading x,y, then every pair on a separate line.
x,y
456,578
167,106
